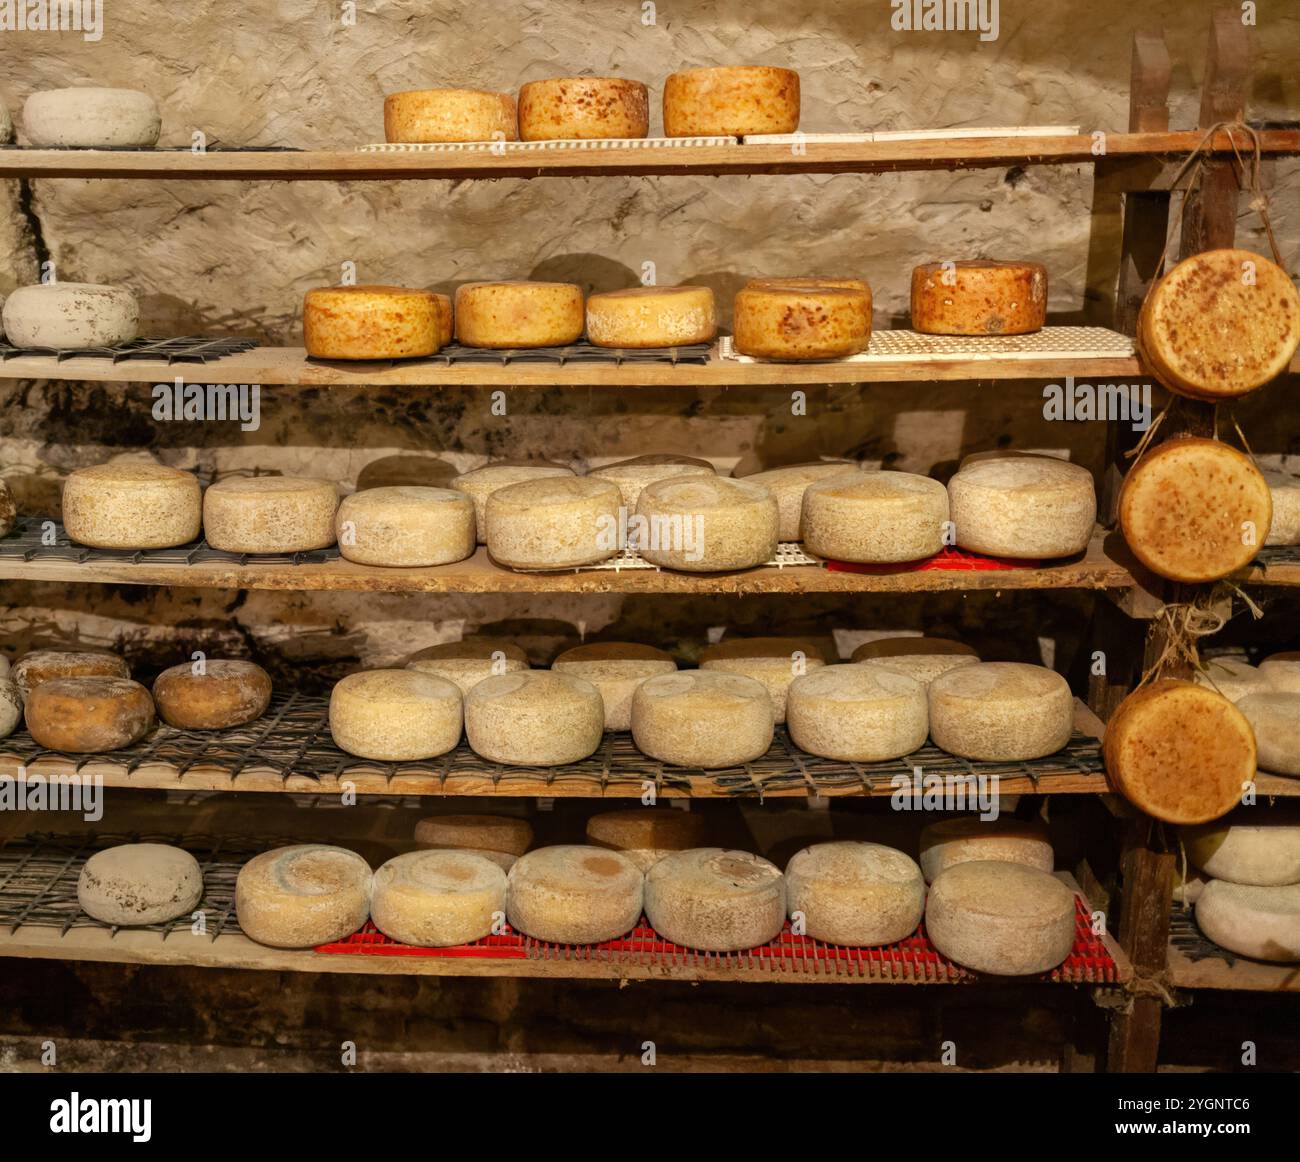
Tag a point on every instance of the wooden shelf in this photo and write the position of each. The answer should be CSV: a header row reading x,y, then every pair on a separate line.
x,y
1240,976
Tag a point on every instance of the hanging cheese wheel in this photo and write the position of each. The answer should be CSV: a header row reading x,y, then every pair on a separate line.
x,y
651,316
374,322
1194,510
429,115
979,297
794,323
731,101
518,314
578,108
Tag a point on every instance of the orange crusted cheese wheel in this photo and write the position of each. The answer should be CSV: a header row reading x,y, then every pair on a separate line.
x,y
421,116
88,715
518,314
1220,324
1179,751
39,666
805,283
979,297
228,692
374,322
568,108
731,101
651,316
1195,510
785,322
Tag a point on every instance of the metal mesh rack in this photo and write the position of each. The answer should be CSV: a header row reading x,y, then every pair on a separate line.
x,y
582,352
185,349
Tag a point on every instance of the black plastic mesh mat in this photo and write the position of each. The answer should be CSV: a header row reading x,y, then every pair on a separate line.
x,y
1191,941
1277,555
185,349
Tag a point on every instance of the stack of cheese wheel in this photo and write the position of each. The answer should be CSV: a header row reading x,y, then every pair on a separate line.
x,y
968,838
1195,510
469,661
582,108
776,662
518,314
423,116
395,715
71,316
788,485
731,101
1220,324
132,505
646,834
535,718
1260,922
399,470
139,883
406,526
616,669
1274,714
1282,671
304,895
979,297
715,900
39,666
1180,752
875,517
702,719
438,899
854,894
92,118
707,524
215,695
1001,711
1234,678
1254,846
480,483
1284,491
553,523
857,713
801,322
922,658
374,322
574,895
498,838
270,514
88,715
652,316
633,475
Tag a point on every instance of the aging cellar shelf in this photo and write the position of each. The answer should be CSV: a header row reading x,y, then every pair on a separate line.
x,y
1196,963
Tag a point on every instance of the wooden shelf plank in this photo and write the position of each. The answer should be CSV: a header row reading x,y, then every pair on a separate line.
x,y
1240,976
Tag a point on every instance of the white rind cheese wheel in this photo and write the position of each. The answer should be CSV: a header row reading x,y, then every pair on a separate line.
x,y
1274,717
438,899
374,322
574,895
270,514
92,118
139,883
788,485
731,101
88,715
616,669
1001,918
652,316
480,483
1001,712
979,297
39,666
132,506
774,661
646,834
855,894
874,517
1234,678
715,900
424,116
793,323
857,714
634,475
1266,854
702,719
1029,507
707,524
499,833
11,706
71,316
395,715
921,658
1282,672
469,661
1263,923
406,526
553,523
519,314
304,895
1179,752
228,692
582,108
1188,888
536,718
964,840
1194,510
1284,491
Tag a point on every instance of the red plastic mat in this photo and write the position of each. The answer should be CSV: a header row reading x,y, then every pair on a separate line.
x,y
944,559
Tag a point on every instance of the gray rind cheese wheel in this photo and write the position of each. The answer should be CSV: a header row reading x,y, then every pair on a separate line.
x,y
481,483
1282,672
270,514
1266,854
1001,711
71,316
1023,507
857,714
437,899
558,523
1194,510
135,884
702,719
39,666
774,661
499,833
374,322
469,661
715,900
1284,491
572,894
651,316
406,526
583,108
228,692
11,706
1234,678
88,715
132,506
788,323
535,718
788,484
633,475
979,297
302,896
1001,918
921,658
646,834
874,517
616,669
705,524
1263,923
855,894
519,314
952,841
395,715
423,116
92,118
1180,752
731,101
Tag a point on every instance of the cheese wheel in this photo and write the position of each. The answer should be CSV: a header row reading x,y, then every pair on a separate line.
x,y
395,715
47,665
88,715
969,838
8,507
71,316
1234,678
518,314
793,323
979,297
715,900
702,719
1194,510
481,483
422,116
788,485
616,669
6,124
1001,918
553,523
731,101
374,322
534,719
853,714
1179,752
581,108
1023,507
572,894
1281,672
633,475
270,514
706,524
406,526
857,284
1274,716
92,118
438,899
1265,853
651,316
1284,491
855,894
646,834
226,693
134,884
920,658
1188,888
1220,324
398,471
1001,711
304,895
4,666
874,517
11,706
132,506
1259,922
775,662
469,661
500,833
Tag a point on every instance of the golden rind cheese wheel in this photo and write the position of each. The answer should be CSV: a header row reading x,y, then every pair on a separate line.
x,y
581,108
795,323
518,314
88,715
229,692
270,514
979,297
374,322
132,506
651,316
731,101
421,116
